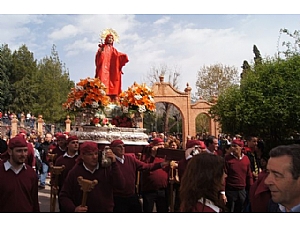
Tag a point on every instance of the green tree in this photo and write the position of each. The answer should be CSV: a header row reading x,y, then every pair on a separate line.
x,y
266,102
245,68
52,87
214,79
257,56
23,69
227,110
5,88
292,45
28,86
202,123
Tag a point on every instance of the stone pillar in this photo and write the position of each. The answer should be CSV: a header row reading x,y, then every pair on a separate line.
x,y
14,126
22,123
68,124
52,129
40,125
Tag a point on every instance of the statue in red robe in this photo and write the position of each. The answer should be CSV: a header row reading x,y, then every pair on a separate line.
x,y
109,63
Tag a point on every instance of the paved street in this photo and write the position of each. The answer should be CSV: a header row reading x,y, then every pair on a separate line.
x,y
44,199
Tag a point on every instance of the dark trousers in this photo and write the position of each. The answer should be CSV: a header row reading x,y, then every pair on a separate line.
x,y
236,200
159,197
129,204
177,200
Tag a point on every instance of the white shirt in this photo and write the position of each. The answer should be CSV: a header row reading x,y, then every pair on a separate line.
x,y
92,171
69,156
210,204
8,166
121,159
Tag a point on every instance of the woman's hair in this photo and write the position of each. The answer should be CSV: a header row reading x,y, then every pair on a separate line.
x,y
174,141
202,179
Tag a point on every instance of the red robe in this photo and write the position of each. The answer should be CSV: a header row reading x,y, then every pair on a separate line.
x,y
109,63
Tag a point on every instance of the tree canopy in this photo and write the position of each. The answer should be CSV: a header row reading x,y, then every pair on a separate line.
x,y
265,103
29,85
214,79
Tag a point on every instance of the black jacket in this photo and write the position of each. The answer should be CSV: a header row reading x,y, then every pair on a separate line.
x,y
43,150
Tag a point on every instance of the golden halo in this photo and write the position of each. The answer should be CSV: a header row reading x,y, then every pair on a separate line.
x,y
112,32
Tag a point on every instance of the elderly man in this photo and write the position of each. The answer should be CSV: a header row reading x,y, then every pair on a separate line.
x,y
100,199
127,200
283,177
18,181
239,177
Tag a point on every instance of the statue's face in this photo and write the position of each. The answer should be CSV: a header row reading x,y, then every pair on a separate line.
x,y
109,39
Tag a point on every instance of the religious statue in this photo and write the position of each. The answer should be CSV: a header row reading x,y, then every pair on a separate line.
x,y
109,63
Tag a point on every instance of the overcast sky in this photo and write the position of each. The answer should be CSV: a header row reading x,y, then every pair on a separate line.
x,y
182,41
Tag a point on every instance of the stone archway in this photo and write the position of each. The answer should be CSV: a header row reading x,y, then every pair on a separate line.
x,y
200,107
164,92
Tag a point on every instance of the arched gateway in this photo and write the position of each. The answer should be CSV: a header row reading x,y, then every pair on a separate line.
x,y
164,92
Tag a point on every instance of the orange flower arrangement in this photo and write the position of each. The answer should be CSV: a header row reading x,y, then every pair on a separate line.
x,y
137,98
89,93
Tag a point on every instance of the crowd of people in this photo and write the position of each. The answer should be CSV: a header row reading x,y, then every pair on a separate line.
x,y
217,174
28,119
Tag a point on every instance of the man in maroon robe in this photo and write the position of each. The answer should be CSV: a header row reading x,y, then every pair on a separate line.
x,y
100,198
127,200
68,160
18,181
154,183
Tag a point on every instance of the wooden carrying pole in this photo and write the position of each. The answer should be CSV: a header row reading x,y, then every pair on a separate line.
x,y
86,186
50,158
138,177
172,155
171,181
55,171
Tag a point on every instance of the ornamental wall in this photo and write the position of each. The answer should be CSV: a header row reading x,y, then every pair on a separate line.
x,y
164,92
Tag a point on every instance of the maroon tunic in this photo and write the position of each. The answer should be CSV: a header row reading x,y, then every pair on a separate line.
x,y
239,175
69,163
58,153
154,180
100,199
259,194
18,192
129,169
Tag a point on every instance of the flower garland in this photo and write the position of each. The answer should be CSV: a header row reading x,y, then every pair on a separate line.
x,y
100,120
137,98
89,93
